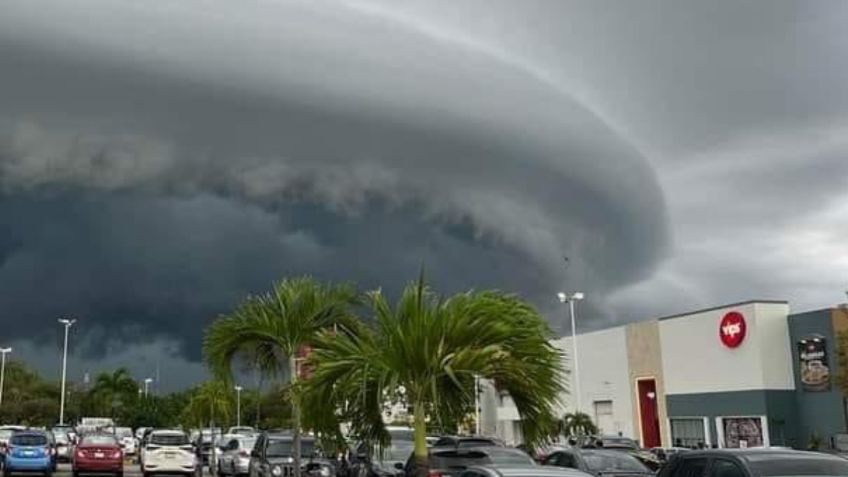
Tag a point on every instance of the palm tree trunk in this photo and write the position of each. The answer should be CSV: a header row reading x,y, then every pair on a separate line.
x,y
420,426
295,414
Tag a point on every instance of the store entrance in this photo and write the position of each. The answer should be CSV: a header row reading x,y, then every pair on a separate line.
x,y
648,412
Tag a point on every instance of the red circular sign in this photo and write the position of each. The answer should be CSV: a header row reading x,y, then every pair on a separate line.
x,y
732,329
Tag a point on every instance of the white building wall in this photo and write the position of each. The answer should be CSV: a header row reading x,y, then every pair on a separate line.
x,y
775,345
695,360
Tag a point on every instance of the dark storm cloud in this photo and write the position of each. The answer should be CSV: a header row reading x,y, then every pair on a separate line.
x,y
162,164
237,142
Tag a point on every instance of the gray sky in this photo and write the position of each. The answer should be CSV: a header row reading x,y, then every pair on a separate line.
x,y
160,159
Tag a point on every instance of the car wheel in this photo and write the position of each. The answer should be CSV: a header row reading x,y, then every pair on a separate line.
x,y
119,474
76,473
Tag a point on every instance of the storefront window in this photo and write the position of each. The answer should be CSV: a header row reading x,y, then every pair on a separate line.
x,y
688,432
742,432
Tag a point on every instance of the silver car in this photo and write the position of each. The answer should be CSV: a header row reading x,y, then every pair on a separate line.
x,y
235,455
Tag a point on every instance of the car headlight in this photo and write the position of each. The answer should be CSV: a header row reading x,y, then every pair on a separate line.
x,y
276,471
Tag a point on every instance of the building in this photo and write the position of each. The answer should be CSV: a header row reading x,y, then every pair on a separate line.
x,y
741,375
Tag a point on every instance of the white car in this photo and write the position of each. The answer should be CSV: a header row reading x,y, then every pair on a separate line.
x,y
169,452
126,439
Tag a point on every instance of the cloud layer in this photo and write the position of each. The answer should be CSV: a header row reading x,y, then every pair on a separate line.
x,y
160,159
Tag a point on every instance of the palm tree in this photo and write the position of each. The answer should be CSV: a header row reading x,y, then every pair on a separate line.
x,y
210,403
115,390
271,329
578,424
430,349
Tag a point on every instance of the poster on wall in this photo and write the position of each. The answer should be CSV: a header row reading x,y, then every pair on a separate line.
x,y
742,432
812,359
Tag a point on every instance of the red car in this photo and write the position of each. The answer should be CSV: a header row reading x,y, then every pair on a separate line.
x,y
98,454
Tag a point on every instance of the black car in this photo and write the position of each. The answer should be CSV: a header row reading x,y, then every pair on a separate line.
x,y
273,456
466,441
753,463
599,462
530,471
451,461
368,461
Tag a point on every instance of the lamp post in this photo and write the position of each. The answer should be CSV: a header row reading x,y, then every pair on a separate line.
x,y
570,299
238,405
147,382
4,351
477,404
67,324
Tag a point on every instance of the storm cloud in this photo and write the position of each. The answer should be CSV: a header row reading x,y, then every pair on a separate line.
x,y
159,160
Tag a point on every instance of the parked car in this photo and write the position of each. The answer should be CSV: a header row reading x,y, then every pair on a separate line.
x,y
753,463
98,453
6,434
451,461
126,439
626,444
367,461
664,454
170,452
29,451
533,471
466,441
234,459
272,457
598,462
63,446
241,430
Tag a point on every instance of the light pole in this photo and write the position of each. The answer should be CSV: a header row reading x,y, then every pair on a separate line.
x,y
570,299
67,324
147,382
4,351
238,405
477,403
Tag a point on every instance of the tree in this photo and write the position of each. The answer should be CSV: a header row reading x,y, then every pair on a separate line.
x,y
271,329
211,403
431,348
578,424
114,391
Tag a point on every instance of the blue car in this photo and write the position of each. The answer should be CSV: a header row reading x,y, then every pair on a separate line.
x,y
29,452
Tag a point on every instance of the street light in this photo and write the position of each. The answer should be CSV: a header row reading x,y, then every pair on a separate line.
x,y
4,351
570,299
238,405
147,382
67,324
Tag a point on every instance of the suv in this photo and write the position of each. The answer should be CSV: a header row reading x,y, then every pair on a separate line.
x,y
763,462
170,452
272,456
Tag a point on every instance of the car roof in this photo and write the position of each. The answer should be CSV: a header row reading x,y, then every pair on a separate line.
x,y
758,452
534,471
167,431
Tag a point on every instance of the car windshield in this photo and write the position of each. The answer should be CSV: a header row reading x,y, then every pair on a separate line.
x,y
506,457
61,437
99,440
458,460
29,440
402,434
283,448
607,461
246,443
619,442
169,439
399,450
476,443
123,432
800,465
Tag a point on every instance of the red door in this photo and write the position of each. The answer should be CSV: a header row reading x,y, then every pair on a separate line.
x,y
648,413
